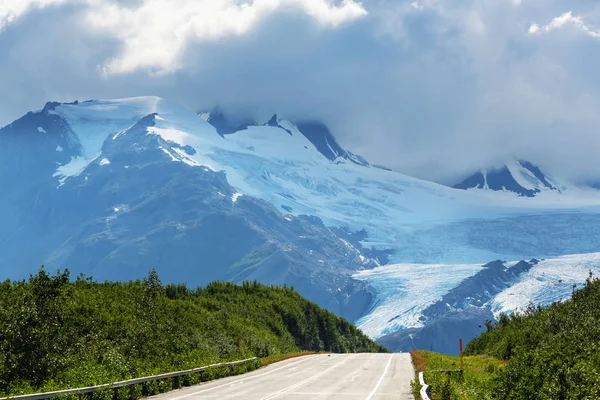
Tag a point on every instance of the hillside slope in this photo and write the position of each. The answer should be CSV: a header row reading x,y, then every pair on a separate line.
x,y
553,353
59,334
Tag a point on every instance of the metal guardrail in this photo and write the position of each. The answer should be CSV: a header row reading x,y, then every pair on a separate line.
x,y
116,385
424,387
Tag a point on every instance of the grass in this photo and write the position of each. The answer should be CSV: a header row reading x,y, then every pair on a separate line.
x,y
476,382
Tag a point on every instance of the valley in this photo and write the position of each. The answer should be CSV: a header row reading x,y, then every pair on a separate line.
x,y
112,187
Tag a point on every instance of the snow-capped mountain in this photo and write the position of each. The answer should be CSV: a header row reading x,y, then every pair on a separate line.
x,y
317,133
517,176
114,187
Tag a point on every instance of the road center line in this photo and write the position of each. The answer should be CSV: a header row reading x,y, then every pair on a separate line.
x,y
370,396
312,378
244,379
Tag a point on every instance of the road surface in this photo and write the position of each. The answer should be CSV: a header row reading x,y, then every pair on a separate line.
x,y
338,376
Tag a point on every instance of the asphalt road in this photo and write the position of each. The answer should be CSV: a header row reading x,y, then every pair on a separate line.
x,y
338,376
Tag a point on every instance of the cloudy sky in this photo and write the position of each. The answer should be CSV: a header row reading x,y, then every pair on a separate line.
x,y
433,88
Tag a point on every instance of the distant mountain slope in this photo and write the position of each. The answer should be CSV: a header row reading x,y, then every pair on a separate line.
x,y
520,177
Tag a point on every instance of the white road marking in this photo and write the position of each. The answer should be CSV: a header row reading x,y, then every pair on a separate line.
x,y
370,396
312,378
228,384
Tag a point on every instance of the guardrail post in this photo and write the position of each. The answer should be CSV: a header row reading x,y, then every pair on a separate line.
x,y
461,356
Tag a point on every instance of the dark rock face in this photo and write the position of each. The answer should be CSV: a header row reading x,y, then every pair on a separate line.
x,y
274,122
502,179
442,335
225,126
32,146
499,179
476,180
479,288
144,209
382,256
320,136
461,313
322,139
537,173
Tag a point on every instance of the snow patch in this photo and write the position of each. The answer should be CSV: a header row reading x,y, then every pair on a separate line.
x,y
75,167
167,152
235,197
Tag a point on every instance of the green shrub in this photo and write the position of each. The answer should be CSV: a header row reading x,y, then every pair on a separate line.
x,y
553,353
446,389
56,333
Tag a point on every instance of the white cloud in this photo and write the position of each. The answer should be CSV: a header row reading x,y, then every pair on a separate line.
x,y
10,10
560,22
434,88
155,32
534,28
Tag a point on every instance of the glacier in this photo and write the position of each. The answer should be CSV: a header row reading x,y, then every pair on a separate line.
x,y
404,291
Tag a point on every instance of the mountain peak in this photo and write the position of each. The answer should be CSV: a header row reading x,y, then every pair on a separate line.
x,y
316,132
273,121
223,124
320,136
518,176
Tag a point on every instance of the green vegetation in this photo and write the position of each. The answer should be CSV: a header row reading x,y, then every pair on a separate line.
x,y
477,381
550,353
553,353
56,333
